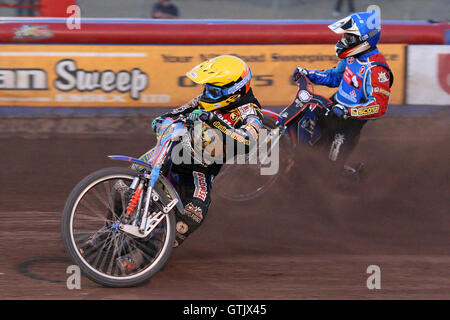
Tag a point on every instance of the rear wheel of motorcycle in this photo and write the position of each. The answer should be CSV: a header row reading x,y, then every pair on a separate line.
x,y
91,235
242,182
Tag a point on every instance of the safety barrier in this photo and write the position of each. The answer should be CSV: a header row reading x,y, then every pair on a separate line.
x,y
130,63
145,31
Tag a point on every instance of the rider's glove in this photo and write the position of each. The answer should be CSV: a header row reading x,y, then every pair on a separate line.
x,y
197,115
340,111
156,123
298,72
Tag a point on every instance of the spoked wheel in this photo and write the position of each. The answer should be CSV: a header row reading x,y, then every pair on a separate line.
x,y
92,233
243,182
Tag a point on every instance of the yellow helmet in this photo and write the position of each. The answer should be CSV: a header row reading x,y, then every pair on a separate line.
x,y
225,78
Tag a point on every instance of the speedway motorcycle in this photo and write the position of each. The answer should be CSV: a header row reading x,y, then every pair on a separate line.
x,y
121,211
118,213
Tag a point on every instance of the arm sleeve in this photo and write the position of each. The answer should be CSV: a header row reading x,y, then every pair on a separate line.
x,y
377,93
245,136
330,78
184,109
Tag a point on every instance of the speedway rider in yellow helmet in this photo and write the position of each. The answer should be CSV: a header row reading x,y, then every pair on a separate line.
x,y
227,103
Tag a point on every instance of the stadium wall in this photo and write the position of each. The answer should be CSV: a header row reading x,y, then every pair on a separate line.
x,y
125,63
205,32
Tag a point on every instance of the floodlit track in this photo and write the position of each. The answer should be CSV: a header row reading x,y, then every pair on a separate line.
x,y
305,239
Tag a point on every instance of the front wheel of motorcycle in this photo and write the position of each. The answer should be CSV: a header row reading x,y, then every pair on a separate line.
x,y
92,234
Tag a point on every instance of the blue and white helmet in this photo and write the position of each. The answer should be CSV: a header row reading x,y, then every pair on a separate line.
x,y
361,32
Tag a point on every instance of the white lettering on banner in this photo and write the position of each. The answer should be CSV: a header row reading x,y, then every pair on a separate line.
x,y
23,79
155,98
72,97
22,99
72,78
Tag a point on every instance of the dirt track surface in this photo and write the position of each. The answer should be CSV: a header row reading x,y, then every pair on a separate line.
x,y
305,239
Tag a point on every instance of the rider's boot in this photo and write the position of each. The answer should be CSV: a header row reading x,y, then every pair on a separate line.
x,y
130,262
97,239
148,248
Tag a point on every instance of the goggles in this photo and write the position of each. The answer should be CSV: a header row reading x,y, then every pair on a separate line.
x,y
350,39
215,93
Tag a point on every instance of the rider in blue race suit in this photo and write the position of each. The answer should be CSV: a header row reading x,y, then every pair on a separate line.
x,y
363,79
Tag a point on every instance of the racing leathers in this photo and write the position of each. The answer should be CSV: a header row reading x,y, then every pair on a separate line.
x,y
240,124
364,83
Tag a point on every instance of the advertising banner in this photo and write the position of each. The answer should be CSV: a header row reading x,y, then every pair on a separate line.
x,y
154,76
428,75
